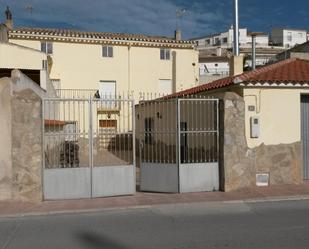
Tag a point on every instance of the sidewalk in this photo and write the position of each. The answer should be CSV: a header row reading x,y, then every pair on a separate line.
x,y
11,209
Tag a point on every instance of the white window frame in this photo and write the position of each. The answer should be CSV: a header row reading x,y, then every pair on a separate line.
x,y
47,47
107,51
165,54
169,87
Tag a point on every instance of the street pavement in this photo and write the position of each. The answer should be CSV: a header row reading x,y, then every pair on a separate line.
x,y
241,225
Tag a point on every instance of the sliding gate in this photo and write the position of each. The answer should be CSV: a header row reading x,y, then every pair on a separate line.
x,y
88,148
179,144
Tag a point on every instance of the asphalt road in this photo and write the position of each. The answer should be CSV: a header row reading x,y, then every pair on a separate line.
x,y
208,225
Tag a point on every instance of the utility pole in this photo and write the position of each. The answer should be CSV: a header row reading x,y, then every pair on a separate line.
x,y
236,29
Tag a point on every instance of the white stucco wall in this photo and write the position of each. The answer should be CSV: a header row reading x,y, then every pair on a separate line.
x,y
279,110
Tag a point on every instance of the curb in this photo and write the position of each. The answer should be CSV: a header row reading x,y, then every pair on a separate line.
x,y
110,209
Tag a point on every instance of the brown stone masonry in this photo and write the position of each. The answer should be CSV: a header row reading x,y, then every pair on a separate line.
x,y
240,164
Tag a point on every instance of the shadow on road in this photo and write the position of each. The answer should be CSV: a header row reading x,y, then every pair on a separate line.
x,y
93,241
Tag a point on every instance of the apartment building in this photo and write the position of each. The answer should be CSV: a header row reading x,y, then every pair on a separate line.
x,y
288,37
226,39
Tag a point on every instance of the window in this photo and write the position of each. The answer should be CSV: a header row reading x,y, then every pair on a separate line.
x,y
165,86
207,42
289,37
107,51
47,47
224,40
217,41
165,54
149,126
107,91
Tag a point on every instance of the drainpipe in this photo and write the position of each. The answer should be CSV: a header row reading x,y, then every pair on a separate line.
x,y
129,68
253,51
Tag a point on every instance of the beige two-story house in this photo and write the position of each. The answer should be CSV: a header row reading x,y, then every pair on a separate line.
x,y
113,63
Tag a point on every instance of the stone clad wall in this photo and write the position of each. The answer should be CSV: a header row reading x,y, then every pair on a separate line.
x,y
240,164
27,145
21,140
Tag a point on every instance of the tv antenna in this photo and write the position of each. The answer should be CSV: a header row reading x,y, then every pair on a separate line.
x,y
29,8
180,12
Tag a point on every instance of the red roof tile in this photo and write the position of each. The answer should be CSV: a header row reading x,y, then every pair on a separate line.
x,y
94,35
291,71
49,122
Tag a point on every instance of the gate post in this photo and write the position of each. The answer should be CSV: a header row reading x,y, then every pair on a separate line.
x,y
178,154
133,141
90,134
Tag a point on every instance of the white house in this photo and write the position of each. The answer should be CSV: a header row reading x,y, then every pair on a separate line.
x,y
288,37
226,39
112,63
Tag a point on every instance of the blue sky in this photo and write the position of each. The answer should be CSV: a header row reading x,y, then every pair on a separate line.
x,y
158,17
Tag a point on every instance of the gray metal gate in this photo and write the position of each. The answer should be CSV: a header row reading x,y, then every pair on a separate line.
x,y
88,148
305,133
179,144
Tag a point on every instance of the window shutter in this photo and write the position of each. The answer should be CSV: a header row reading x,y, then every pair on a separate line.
x,y
43,47
110,52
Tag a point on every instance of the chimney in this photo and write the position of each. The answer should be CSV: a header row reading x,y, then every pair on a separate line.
x,y
9,18
4,34
178,35
236,65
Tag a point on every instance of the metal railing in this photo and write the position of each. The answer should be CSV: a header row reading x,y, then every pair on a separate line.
x,y
76,93
214,72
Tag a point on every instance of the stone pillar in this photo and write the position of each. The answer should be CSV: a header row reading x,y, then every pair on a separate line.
x,y
5,141
233,142
27,145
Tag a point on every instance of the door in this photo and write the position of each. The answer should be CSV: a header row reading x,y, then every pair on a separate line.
x,y
305,133
107,90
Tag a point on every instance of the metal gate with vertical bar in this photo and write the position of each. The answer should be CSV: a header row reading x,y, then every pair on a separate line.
x,y
88,148
179,144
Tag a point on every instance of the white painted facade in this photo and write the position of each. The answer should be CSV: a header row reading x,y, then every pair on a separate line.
x,y
288,37
226,39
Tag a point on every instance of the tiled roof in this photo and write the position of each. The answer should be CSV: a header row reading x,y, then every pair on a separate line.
x,y
50,122
93,35
291,71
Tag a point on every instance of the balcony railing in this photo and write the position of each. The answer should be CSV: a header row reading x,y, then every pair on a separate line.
x,y
76,93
